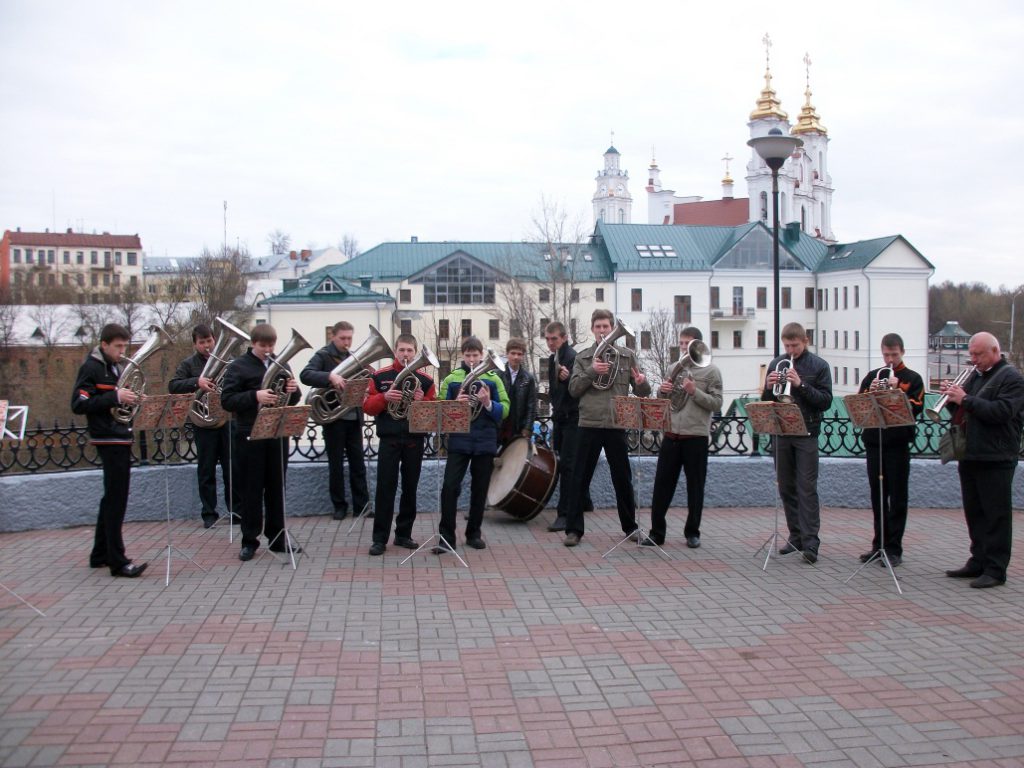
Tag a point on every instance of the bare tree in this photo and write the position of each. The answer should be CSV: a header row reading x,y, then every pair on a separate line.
x,y
219,282
659,336
279,241
130,308
8,337
349,246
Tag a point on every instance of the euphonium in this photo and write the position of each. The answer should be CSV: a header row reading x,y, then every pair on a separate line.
x,y
325,402
697,355
407,382
132,376
607,353
783,392
935,414
228,337
881,382
471,384
277,376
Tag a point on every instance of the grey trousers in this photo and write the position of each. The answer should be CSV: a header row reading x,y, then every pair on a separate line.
x,y
797,471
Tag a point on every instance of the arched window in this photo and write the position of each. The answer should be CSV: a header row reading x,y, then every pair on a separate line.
x,y
764,206
622,216
782,208
803,218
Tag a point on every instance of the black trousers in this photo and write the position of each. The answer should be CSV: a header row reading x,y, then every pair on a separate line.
x,y
108,544
480,467
689,454
396,454
343,441
263,464
796,466
892,500
212,449
986,488
591,441
565,443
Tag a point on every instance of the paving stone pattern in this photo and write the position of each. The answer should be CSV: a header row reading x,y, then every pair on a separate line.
x,y
536,655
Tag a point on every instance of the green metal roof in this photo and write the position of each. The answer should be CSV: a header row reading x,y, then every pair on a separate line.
x,y
341,291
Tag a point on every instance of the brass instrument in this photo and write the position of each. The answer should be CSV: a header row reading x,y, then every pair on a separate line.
x,y
325,401
407,382
783,392
277,376
607,353
132,376
881,382
935,414
471,384
697,355
228,337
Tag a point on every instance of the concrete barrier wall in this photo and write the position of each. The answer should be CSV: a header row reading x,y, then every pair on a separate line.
x,y
58,500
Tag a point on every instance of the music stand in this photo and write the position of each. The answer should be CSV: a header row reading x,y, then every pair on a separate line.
x,y
446,417
639,413
165,412
13,419
216,411
273,424
778,420
880,410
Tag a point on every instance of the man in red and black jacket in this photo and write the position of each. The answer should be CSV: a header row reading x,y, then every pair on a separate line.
x,y
95,393
398,448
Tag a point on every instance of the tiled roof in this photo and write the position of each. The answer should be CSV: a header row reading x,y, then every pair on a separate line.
x,y
73,239
719,213
340,290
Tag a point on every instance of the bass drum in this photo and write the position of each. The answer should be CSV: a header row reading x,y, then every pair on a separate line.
x,y
524,482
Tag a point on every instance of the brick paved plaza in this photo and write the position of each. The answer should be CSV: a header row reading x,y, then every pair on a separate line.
x,y
535,656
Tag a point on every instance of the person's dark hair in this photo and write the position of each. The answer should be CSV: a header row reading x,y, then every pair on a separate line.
x,y
406,338
113,332
201,331
471,343
263,333
893,340
602,314
693,332
794,332
342,325
556,327
515,344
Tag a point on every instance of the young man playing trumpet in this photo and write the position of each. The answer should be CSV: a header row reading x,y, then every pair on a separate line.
x,y
695,394
398,447
595,382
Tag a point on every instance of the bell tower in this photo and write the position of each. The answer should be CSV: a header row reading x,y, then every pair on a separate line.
x,y
612,201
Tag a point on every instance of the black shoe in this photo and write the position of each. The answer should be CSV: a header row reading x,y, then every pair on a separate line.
x,y
405,541
246,553
693,541
98,563
557,525
964,573
867,556
894,560
130,570
790,547
209,522
651,542
340,514
377,548
442,549
477,543
985,581
810,556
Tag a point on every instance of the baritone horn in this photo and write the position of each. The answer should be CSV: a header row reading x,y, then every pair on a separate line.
x,y
277,376
783,391
326,401
935,413
132,376
607,353
228,337
407,383
471,384
697,355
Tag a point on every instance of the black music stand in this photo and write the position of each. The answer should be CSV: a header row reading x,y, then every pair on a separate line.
x,y
880,410
165,412
639,413
778,420
273,424
214,407
447,417
13,419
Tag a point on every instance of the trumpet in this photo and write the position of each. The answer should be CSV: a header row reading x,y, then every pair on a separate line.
x,y
407,382
881,382
471,384
277,376
783,392
607,353
324,400
935,414
228,336
132,376
697,356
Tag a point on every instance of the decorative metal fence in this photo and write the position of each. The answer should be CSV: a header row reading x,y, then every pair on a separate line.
x,y
57,448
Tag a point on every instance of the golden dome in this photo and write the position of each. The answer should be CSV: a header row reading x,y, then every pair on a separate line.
x,y
768,104
809,120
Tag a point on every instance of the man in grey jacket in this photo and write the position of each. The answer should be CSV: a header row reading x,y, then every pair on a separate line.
x,y
597,430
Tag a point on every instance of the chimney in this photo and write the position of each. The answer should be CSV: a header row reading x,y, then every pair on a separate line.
x,y
305,254
364,281
293,255
414,239
69,230
792,233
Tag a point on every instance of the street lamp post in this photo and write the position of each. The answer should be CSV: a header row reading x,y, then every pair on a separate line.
x,y
774,149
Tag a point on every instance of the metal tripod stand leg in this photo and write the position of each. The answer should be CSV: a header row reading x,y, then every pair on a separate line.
x,y
291,545
22,599
880,553
771,543
170,545
641,534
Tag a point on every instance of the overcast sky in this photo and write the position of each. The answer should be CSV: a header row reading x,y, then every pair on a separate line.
x,y
448,121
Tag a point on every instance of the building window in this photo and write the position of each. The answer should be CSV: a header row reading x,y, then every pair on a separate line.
x,y
572,327
845,380
467,328
117,258
51,257
762,339
574,296
655,251
151,289
28,256
444,369
599,294
79,257
106,278
673,354
856,341
517,331
826,299
856,296
637,299
823,339
405,296
645,339
737,299
133,259
819,304
737,339
16,254
81,278
835,298
846,297
682,307
545,295
762,297
458,281
787,298
492,328
856,374
65,279
835,373
133,280
94,257
846,339
808,298
442,329
835,339
406,327
515,328
67,257
106,259
117,279
95,279
714,339
714,297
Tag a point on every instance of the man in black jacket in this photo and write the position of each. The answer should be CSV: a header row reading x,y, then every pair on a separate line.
x,y
342,438
892,499
213,444
990,407
95,393
796,458
261,462
521,388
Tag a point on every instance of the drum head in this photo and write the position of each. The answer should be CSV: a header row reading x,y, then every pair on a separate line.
x,y
505,477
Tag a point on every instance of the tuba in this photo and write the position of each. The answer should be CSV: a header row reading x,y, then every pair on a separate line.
x,y
228,337
325,401
471,384
132,376
783,392
697,356
935,413
407,382
276,377
607,353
